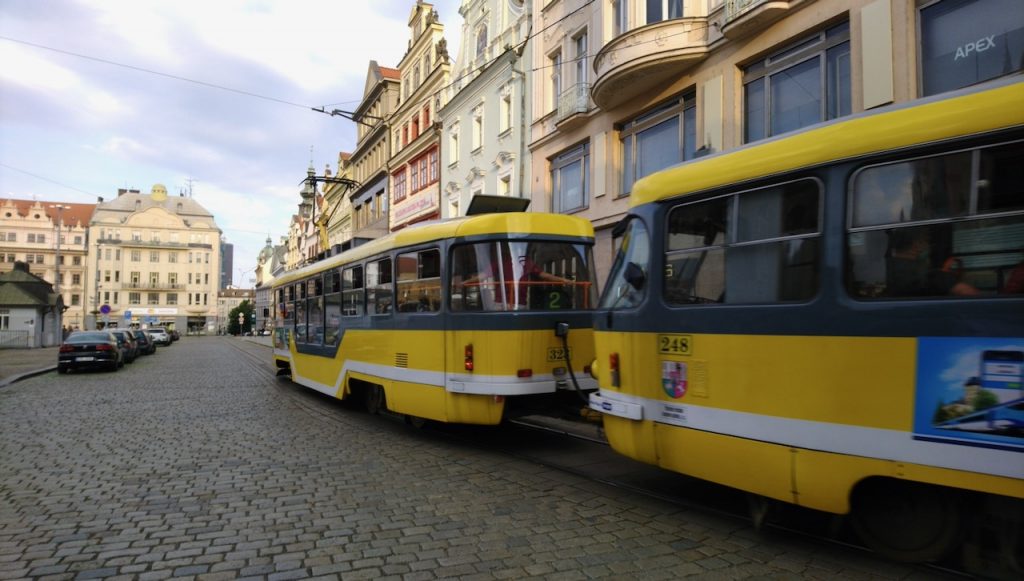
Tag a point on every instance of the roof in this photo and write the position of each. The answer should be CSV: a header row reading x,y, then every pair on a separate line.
x,y
131,202
70,215
19,288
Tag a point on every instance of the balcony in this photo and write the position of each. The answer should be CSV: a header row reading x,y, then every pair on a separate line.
x,y
573,106
648,58
153,286
745,17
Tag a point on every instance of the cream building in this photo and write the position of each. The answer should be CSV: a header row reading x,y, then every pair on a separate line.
x,y
227,300
486,116
414,165
336,218
623,88
153,259
369,161
28,233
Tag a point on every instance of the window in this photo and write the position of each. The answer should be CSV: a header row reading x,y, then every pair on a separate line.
x,y
942,226
505,110
414,177
515,276
378,287
76,279
5,319
802,84
399,182
154,279
31,238
964,42
453,144
620,17
172,257
555,64
332,308
432,166
419,281
136,278
352,291
78,239
136,256
172,278
154,256
134,298
76,300
658,10
106,276
505,185
172,298
570,179
481,40
658,139
580,43
760,246
76,261
152,298
478,128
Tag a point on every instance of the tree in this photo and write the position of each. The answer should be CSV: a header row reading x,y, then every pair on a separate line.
x,y
244,308
985,399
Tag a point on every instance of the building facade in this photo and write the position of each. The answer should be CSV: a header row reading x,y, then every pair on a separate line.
x,y
227,300
29,234
369,161
30,310
153,259
414,165
486,114
336,220
623,88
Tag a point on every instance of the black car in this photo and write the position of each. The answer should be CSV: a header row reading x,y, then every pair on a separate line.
x,y
128,343
174,335
146,344
89,349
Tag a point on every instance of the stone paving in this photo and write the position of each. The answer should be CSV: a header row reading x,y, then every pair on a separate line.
x,y
194,464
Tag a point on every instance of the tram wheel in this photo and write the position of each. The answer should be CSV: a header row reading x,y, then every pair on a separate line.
x,y
906,521
374,399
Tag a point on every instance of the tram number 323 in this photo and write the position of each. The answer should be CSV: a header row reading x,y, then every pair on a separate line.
x,y
675,344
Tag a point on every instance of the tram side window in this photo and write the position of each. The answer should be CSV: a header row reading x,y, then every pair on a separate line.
x,y
419,281
352,291
927,228
300,312
519,276
379,296
332,308
315,311
760,246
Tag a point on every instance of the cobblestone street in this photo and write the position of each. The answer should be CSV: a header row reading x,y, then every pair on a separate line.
x,y
196,463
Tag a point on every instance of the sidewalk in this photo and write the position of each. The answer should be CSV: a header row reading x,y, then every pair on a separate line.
x,y
18,364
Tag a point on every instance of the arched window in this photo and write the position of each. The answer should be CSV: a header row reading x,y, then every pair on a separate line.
x,y
481,40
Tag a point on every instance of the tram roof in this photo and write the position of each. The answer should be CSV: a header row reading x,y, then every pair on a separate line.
x,y
990,107
515,224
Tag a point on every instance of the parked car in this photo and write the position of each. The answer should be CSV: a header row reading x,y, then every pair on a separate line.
x,y
174,335
89,349
126,339
160,335
146,344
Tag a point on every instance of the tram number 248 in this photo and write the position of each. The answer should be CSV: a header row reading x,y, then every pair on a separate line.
x,y
674,344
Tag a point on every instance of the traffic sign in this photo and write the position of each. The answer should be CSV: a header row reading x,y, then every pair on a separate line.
x,y
127,315
105,309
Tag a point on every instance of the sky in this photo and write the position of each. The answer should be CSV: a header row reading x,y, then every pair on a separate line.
x,y
216,96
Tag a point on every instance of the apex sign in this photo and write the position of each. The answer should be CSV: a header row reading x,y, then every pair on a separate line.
x,y
978,46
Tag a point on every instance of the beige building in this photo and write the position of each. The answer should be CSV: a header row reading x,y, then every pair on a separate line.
x,y
28,233
369,161
414,165
336,218
227,300
153,259
623,88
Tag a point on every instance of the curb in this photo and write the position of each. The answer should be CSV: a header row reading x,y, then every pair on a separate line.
x,y
26,375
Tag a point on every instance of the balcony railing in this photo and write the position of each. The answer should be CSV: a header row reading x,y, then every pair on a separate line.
x,y
735,8
573,101
153,286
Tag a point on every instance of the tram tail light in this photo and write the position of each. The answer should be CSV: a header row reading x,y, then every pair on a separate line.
x,y
523,373
613,368
469,357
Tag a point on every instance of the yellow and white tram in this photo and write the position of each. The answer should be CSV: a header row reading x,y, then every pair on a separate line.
x,y
444,321
835,319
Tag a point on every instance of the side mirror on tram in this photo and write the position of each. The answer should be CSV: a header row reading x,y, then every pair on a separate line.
x,y
635,276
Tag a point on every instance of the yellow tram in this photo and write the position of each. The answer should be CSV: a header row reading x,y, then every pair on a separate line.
x,y
446,320
835,319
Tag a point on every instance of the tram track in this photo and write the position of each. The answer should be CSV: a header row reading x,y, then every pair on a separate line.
x,y
530,440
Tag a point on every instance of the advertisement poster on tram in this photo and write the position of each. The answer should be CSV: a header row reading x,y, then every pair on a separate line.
x,y
970,391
